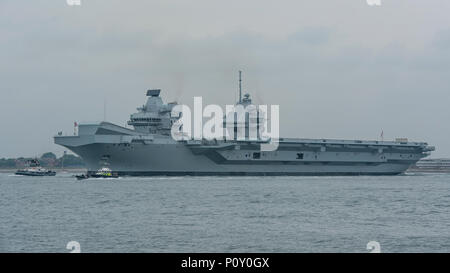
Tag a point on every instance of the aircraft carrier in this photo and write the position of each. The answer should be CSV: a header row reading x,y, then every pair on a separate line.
x,y
149,149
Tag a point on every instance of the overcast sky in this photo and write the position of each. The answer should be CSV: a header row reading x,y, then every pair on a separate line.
x,y
338,69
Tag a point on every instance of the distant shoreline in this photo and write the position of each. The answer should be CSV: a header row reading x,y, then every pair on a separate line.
x,y
428,171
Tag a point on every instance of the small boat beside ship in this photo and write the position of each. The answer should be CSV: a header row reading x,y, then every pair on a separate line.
x,y
104,172
34,169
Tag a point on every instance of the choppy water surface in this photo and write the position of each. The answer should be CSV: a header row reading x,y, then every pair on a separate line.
x,y
408,213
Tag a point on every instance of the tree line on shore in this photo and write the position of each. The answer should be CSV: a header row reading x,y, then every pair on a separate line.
x,y
49,160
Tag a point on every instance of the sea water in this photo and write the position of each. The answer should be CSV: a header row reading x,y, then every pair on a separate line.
x,y
404,213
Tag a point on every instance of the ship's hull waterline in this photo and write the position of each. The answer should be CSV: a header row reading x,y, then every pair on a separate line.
x,y
148,156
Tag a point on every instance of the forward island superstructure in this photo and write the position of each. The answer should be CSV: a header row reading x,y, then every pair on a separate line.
x,y
149,149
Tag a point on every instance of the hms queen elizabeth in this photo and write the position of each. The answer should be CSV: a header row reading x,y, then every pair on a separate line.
x,y
149,149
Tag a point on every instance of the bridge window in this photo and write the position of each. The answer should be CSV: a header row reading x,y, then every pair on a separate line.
x,y
256,155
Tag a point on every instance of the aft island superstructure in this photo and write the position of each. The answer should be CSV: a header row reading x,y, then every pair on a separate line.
x,y
149,149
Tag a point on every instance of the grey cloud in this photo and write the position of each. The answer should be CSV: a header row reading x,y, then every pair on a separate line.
x,y
312,35
442,39
58,66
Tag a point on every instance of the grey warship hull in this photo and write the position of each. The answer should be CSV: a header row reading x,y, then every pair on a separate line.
x,y
132,153
150,149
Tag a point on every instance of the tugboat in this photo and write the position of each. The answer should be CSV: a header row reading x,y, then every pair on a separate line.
x,y
104,172
35,169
